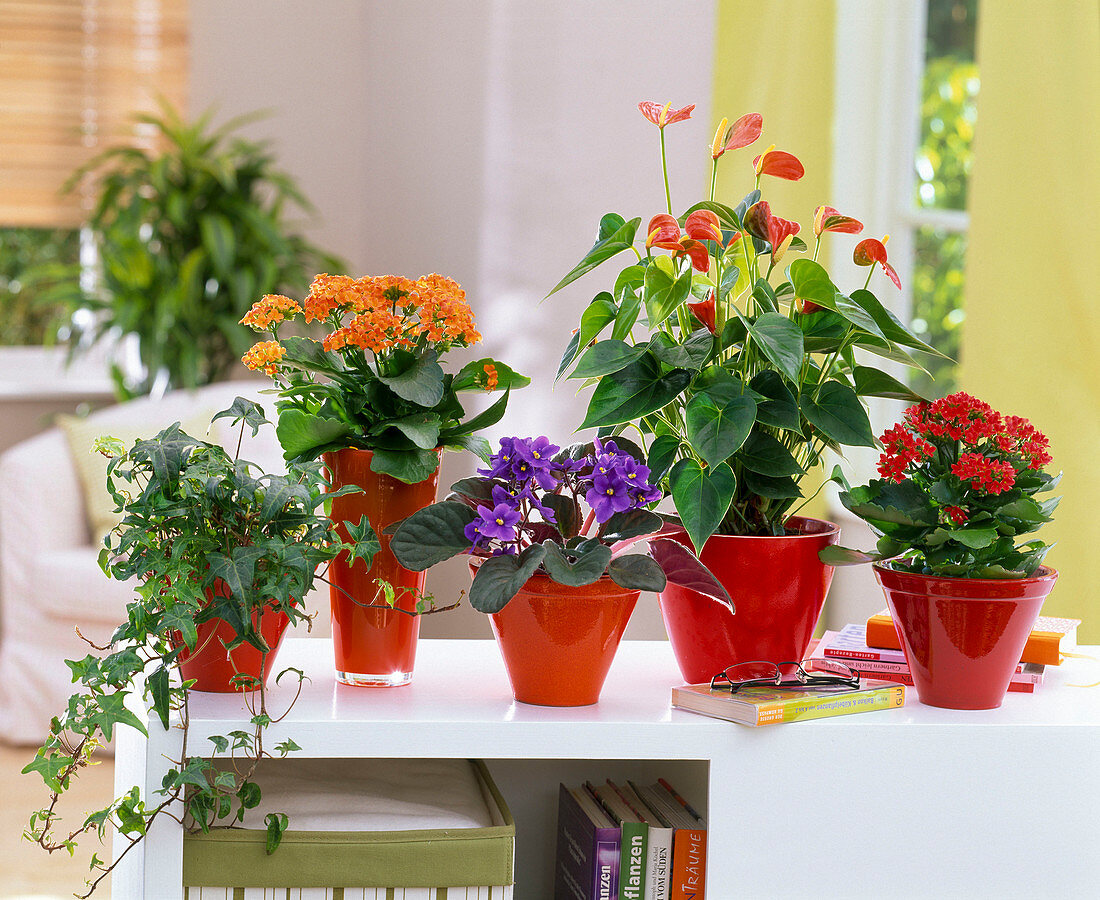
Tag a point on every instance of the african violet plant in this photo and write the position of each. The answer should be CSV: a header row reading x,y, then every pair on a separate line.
x,y
737,373
205,536
959,484
375,381
523,514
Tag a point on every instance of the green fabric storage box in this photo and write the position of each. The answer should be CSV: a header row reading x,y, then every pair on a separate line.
x,y
363,829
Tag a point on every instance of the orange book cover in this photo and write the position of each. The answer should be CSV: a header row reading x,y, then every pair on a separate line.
x,y
1050,638
689,864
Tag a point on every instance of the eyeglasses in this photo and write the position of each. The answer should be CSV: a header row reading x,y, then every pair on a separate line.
x,y
789,676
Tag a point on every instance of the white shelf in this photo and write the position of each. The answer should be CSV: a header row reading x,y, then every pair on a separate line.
x,y
911,802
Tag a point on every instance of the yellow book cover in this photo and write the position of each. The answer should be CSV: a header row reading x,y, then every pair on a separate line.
x,y
767,706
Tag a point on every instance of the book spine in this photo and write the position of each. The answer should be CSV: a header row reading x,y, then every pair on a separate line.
x,y
830,705
845,653
659,871
689,864
883,668
632,861
575,858
605,872
861,664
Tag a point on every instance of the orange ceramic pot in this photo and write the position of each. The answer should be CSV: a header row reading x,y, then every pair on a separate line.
x,y
213,668
558,642
374,647
963,637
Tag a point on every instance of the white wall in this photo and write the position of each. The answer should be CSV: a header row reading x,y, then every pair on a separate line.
x,y
479,139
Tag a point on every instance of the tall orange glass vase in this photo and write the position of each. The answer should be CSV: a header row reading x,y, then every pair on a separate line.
x,y
374,646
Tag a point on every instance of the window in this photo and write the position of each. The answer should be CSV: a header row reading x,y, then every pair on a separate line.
x,y
72,75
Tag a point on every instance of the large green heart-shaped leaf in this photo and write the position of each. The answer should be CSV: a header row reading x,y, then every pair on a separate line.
x,y
596,317
764,454
629,308
663,293
606,357
812,282
633,392
717,429
889,324
499,579
691,354
432,534
702,497
662,453
838,414
781,341
615,235
778,408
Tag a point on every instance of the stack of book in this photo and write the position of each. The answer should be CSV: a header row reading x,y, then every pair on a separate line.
x,y
1050,638
850,647
628,842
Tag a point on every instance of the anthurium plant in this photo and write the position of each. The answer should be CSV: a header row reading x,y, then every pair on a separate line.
x,y
375,381
204,536
523,514
731,352
959,485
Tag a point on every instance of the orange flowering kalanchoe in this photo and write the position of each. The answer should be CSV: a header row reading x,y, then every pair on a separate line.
x,y
264,356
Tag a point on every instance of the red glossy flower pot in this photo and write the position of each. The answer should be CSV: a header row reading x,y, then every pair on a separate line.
x,y
374,647
558,642
963,637
778,586
213,668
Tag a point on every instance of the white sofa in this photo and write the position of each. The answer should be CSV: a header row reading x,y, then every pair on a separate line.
x,y
50,580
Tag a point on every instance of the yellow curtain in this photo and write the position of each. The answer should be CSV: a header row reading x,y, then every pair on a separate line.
x,y
1033,327
778,63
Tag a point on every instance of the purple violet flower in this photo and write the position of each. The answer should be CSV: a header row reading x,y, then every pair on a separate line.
x,y
500,463
607,496
498,522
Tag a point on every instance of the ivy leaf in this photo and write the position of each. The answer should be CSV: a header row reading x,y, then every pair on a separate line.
x,y
50,767
238,570
276,825
157,687
365,541
244,410
110,710
500,578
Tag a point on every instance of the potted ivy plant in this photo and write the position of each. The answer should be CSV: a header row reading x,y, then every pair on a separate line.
x,y
960,484
738,371
559,584
373,400
222,555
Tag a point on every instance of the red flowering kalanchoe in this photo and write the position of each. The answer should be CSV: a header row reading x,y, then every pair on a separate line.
x,y
959,484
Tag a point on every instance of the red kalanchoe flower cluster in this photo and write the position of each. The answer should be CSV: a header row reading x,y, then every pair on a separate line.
x,y
1024,439
992,476
902,449
958,416
956,514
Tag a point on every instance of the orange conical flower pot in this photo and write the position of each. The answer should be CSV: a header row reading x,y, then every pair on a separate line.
x,y
374,647
558,642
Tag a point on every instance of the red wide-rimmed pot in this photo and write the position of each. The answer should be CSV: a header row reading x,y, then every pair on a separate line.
x,y
558,642
374,647
213,668
963,637
778,586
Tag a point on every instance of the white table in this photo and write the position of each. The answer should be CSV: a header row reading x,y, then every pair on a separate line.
x,y
914,802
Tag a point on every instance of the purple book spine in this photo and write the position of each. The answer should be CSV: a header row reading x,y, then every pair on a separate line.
x,y
605,884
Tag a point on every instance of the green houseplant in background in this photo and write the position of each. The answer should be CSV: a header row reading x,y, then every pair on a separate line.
x,y
187,238
222,555
960,484
738,368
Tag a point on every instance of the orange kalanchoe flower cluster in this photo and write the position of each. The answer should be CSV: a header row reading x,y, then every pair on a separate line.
x,y
491,377
264,356
271,309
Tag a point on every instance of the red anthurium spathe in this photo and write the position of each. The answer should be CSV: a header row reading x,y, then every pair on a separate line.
x,y
869,251
702,225
705,312
776,231
828,219
664,115
742,133
663,230
779,163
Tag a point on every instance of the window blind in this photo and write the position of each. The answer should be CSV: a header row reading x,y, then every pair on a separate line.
x,y
72,75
